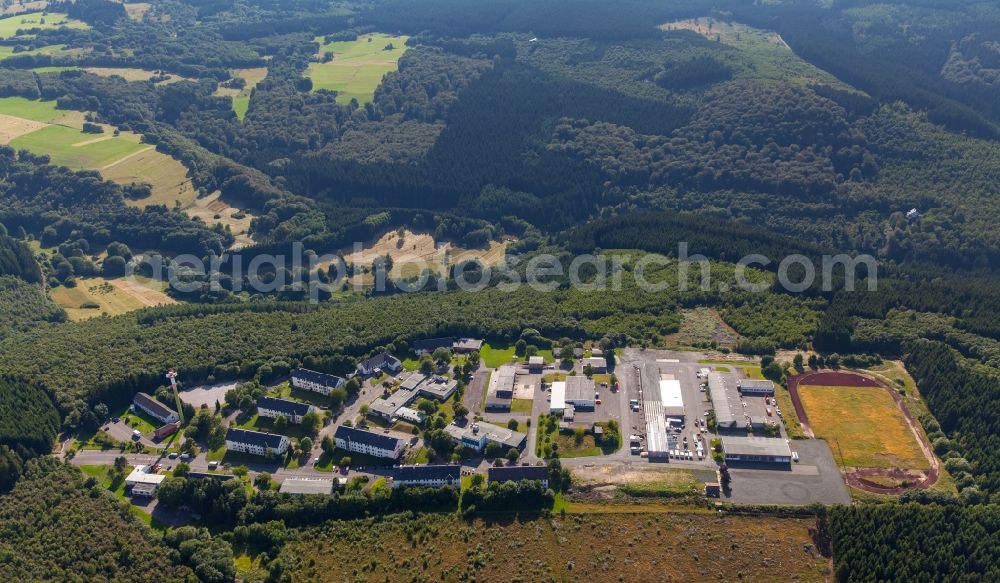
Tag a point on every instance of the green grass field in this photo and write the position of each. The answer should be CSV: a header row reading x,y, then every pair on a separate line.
x,y
357,66
75,149
32,109
8,51
53,20
494,356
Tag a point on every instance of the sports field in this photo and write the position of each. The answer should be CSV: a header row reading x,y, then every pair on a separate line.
x,y
357,66
51,21
863,425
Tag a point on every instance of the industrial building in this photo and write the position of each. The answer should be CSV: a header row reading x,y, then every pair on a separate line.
x,y
599,365
580,393
757,450
536,364
310,380
303,486
386,407
478,435
729,414
500,393
755,388
427,476
672,401
368,443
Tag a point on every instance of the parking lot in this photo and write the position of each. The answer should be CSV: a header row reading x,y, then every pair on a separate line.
x,y
815,478
642,372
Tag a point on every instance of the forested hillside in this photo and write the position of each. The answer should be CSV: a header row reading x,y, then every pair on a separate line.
x,y
55,525
911,542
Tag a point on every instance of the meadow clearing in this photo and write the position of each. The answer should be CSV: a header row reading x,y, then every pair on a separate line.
x,y
94,296
769,54
40,128
32,20
358,66
863,425
413,252
241,97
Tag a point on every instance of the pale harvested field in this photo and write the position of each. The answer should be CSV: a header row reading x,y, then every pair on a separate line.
x,y
131,74
414,252
113,296
14,127
730,33
18,7
209,207
168,177
136,10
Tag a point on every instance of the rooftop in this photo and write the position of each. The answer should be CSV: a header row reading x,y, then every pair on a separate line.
x,y
266,440
492,432
558,395
283,406
755,384
579,388
670,394
756,446
378,440
327,380
728,410
596,362
307,486
517,473
388,406
141,475
152,404
536,361
411,382
468,344
438,472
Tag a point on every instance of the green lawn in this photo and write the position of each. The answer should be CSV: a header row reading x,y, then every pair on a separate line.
x,y
285,391
53,20
103,476
66,147
521,406
494,356
32,109
54,69
8,51
327,462
357,67
266,424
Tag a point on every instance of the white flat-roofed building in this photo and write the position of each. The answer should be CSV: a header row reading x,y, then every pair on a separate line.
x,y
478,435
411,415
558,402
143,475
672,400
302,486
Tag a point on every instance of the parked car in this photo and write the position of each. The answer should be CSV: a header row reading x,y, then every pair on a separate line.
x,y
173,455
185,457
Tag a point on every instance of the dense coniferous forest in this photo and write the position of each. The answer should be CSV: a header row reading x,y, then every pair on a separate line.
x,y
57,525
890,542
